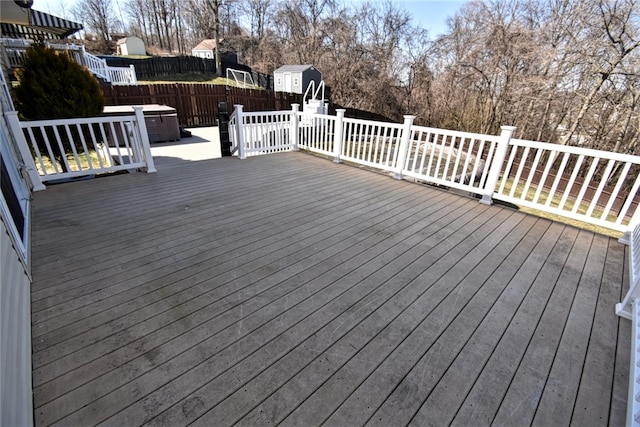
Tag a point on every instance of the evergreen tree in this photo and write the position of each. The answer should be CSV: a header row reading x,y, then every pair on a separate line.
x,y
53,86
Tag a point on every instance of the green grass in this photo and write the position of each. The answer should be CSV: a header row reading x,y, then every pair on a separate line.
x,y
197,78
136,56
73,166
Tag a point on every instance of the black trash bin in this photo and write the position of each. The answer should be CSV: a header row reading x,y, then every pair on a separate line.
x,y
223,129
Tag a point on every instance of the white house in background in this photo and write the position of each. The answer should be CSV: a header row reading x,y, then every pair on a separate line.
x,y
205,49
295,78
131,46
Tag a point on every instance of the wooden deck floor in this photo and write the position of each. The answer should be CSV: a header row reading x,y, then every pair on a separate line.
x,y
288,289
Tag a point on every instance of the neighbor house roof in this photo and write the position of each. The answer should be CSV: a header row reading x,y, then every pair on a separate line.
x,y
206,44
294,68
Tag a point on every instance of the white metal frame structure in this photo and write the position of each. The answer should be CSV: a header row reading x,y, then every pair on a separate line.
x,y
242,79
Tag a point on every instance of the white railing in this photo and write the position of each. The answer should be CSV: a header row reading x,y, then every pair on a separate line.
x,y
262,132
97,66
6,102
233,131
624,308
633,396
318,133
122,76
114,75
14,52
629,309
458,160
71,148
373,144
591,186
315,94
14,57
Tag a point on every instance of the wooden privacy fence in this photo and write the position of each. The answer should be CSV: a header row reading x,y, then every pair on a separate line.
x,y
197,104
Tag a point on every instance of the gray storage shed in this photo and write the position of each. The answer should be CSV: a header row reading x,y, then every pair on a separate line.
x,y
130,46
295,78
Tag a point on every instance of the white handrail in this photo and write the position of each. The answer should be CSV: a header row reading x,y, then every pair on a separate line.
x,y
593,186
5,96
633,396
122,75
624,308
15,51
314,92
97,66
113,75
538,175
70,148
254,133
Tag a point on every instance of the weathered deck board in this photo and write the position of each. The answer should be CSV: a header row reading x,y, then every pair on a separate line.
x,y
287,289
528,347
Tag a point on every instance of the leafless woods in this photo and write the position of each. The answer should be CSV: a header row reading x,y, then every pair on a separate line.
x,y
566,71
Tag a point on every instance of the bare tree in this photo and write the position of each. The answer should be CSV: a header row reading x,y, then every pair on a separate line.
x,y
214,9
98,16
612,48
564,71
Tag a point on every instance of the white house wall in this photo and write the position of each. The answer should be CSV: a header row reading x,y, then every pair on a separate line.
x,y
202,53
16,405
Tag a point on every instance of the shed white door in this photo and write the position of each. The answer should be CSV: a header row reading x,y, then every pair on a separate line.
x,y
287,82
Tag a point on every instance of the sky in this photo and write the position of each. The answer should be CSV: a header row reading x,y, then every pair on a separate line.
x,y
429,14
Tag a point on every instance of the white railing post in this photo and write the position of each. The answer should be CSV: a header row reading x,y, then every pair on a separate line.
x,y
404,146
134,78
626,237
623,308
496,164
240,132
25,151
83,59
337,135
144,139
295,127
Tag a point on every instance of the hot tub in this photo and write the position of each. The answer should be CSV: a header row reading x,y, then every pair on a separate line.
x,y
161,120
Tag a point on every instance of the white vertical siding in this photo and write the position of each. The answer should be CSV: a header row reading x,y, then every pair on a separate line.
x,y
16,405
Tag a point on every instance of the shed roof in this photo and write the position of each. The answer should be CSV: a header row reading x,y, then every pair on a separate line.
x,y
206,44
289,68
127,39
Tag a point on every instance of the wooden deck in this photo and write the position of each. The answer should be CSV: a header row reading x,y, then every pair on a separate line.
x,y
288,289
